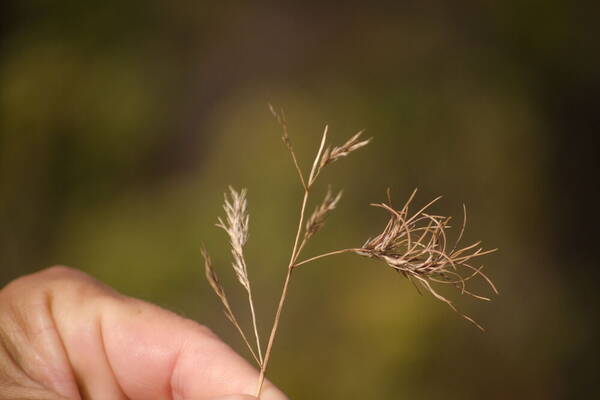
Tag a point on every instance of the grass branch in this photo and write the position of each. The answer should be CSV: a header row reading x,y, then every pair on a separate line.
x,y
332,253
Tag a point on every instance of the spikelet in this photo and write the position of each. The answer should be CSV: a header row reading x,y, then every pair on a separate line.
x,y
236,226
319,215
215,284
330,155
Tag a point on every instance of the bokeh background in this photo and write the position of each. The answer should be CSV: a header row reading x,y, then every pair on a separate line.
x,y
122,123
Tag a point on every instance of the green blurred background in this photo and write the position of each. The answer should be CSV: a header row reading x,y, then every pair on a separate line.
x,y
122,123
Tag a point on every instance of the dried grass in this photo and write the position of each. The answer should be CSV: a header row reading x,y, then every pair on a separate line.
x,y
417,247
236,225
413,244
318,217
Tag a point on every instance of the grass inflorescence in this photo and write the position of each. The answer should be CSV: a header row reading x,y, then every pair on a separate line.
x,y
414,244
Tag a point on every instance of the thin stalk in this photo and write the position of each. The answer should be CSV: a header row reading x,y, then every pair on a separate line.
x,y
242,334
298,168
332,253
286,284
263,369
254,325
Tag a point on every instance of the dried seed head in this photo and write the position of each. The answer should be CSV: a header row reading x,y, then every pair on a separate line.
x,y
417,246
236,226
215,284
319,215
352,144
280,118
211,275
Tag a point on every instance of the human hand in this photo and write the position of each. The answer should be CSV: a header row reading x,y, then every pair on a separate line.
x,y
64,335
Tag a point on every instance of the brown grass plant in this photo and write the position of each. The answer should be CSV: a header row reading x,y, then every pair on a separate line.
x,y
415,244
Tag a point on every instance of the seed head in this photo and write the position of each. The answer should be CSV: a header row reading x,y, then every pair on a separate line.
x,y
318,217
236,226
417,246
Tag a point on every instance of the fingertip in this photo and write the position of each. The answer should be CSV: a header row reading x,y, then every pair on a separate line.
x,y
234,397
272,393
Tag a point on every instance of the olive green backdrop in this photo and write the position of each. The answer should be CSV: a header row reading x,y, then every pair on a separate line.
x,y
122,123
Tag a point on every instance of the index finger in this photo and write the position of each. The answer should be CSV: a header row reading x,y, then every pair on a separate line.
x,y
152,350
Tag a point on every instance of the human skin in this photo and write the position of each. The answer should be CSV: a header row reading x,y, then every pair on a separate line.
x,y
64,335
